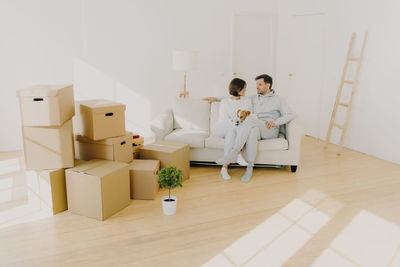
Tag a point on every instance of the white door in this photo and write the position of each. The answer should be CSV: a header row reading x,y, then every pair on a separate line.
x,y
300,67
254,38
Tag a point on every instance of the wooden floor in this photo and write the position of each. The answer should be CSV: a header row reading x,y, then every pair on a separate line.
x,y
335,211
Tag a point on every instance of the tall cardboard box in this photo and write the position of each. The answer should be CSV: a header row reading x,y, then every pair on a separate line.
x,y
169,153
114,148
48,147
98,188
102,119
46,105
50,187
144,179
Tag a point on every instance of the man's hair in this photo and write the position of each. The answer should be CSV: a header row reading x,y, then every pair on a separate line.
x,y
266,77
236,86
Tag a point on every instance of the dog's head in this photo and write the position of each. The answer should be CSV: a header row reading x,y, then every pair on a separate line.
x,y
242,114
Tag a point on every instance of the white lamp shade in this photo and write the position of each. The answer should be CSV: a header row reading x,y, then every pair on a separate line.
x,y
184,60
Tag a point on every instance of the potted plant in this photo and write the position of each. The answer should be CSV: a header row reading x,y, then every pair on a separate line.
x,y
170,177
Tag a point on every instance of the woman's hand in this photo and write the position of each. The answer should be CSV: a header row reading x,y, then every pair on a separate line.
x,y
210,99
270,124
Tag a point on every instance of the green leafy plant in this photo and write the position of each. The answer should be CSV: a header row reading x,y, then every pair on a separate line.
x,y
170,177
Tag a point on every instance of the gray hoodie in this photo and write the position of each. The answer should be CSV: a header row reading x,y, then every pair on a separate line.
x,y
271,107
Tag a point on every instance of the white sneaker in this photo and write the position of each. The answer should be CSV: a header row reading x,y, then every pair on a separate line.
x,y
241,161
224,173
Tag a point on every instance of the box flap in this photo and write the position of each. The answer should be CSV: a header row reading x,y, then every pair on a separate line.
x,y
98,167
101,105
107,141
145,165
41,90
159,147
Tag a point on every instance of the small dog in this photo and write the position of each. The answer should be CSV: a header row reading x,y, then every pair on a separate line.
x,y
242,115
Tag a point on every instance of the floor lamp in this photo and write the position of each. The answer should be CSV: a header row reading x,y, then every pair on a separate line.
x,y
184,61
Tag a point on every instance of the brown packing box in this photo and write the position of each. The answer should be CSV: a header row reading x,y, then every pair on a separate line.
x,y
98,188
136,148
48,147
169,153
144,179
114,148
138,141
102,119
46,105
50,187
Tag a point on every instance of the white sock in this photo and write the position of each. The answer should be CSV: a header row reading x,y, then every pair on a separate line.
x,y
225,174
241,160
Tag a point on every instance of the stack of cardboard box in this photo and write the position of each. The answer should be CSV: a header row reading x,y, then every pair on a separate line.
x,y
103,131
100,187
46,113
106,177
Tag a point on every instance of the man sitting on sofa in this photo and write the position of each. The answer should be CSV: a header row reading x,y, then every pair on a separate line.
x,y
270,112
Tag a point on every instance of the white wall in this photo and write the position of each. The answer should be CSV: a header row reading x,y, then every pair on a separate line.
x,y
38,40
122,50
119,50
374,126
131,42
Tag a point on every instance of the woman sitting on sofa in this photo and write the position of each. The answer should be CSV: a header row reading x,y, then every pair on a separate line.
x,y
226,125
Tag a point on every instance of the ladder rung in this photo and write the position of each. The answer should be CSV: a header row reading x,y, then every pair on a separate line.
x,y
338,126
354,59
349,82
344,105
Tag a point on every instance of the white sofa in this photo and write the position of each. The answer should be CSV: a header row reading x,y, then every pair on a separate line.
x,y
190,120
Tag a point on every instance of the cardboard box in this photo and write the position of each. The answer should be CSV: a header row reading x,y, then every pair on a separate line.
x,y
144,179
136,148
114,148
102,119
48,147
98,188
136,144
46,105
169,153
50,187
138,141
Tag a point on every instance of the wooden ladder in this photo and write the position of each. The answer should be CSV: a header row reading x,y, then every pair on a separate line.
x,y
343,81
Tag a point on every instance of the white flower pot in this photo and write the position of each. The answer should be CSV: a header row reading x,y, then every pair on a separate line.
x,y
169,207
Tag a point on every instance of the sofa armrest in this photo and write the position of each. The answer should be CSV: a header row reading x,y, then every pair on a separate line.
x,y
294,134
162,124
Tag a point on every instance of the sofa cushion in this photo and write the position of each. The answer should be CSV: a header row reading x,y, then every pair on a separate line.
x,y
214,142
214,113
191,114
279,143
194,138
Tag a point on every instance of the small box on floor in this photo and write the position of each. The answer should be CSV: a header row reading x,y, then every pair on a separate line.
x,y
101,119
50,187
48,147
46,105
144,179
113,148
169,153
98,188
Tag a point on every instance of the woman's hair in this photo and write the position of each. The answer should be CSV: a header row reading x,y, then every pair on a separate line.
x,y
236,86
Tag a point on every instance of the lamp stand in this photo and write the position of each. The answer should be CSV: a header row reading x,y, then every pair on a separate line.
x,y
184,93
